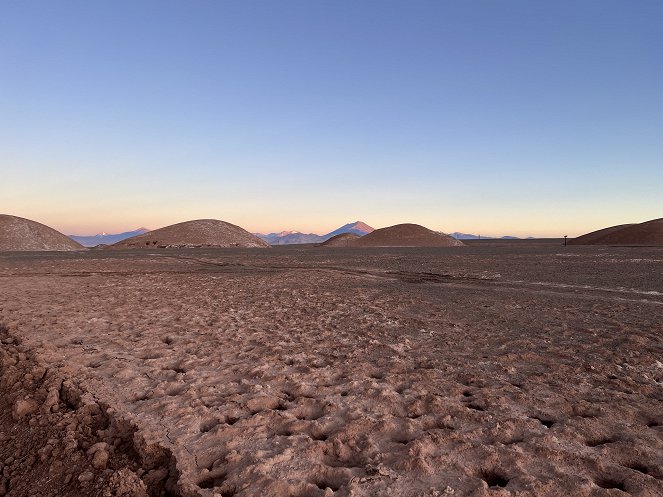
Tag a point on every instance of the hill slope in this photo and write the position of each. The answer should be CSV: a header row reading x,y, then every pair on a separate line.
x,y
647,233
406,235
17,233
340,240
198,233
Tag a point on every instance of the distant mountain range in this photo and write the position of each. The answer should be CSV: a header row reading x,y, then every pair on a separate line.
x,y
105,238
295,237
468,236
283,238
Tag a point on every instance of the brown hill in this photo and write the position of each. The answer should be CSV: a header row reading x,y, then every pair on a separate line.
x,y
406,235
17,233
198,233
340,240
594,236
647,233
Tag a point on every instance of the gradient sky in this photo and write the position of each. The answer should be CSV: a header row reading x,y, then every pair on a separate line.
x,y
495,117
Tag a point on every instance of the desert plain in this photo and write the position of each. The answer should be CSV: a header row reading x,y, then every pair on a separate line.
x,y
501,368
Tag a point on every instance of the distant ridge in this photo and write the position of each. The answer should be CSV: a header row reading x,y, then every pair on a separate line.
x,y
406,235
468,236
105,238
20,234
295,237
194,234
647,233
290,238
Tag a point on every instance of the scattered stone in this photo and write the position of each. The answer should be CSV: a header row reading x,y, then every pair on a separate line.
x,y
85,477
51,402
24,407
100,459
96,447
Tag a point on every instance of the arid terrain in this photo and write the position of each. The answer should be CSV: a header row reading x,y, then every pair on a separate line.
x,y
488,370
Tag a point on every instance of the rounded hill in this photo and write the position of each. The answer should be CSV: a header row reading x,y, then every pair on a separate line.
x,y
340,240
406,235
20,234
193,234
647,233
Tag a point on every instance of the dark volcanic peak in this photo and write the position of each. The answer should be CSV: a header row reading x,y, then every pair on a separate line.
x,y
340,240
106,238
17,233
190,234
406,235
647,233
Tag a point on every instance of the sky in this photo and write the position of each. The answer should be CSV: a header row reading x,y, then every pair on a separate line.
x,y
519,117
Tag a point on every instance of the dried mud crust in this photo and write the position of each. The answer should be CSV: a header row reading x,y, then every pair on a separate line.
x,y
57,439
306,382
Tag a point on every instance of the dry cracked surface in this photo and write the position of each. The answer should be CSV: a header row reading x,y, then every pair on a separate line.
x,y
488,370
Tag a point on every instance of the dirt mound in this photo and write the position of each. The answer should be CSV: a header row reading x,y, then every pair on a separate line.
x,y
17,233
406,235
190,234
648,233
341,240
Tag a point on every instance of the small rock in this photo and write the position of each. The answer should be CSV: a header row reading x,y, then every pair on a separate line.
x,y
98,446
100,459
85,477
51,402
24,407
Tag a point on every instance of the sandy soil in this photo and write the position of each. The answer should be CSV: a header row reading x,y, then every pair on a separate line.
x,y
498,369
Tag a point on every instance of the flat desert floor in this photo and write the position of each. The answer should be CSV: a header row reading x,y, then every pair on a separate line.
x,y
495,369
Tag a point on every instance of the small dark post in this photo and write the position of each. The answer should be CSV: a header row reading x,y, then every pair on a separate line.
x,y
565,240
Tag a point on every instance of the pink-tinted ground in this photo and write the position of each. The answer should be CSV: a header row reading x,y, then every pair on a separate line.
x,y
508,369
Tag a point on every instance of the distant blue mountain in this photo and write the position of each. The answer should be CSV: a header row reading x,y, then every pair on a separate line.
x,y
290,238
105,238
295,237
358,228
467,236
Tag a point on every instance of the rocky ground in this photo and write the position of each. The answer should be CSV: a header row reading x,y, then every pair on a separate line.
x,y
496,369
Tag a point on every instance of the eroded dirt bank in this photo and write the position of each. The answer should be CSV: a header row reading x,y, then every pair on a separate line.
x,y
528,372
58,439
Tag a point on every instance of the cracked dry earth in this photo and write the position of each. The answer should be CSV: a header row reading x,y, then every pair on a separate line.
x,y
508,369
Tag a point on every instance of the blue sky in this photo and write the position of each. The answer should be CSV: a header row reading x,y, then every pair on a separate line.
x,y
495,117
